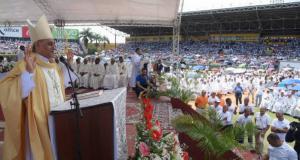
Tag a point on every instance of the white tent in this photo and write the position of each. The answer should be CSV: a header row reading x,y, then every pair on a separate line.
x,y
105,12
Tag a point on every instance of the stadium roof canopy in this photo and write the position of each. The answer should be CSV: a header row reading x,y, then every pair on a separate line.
x,y
265,19
105,12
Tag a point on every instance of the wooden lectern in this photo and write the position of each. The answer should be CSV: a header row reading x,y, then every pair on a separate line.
x,y
102,128
96,133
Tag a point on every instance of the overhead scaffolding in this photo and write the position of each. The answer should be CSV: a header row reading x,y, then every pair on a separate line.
x,y
176,29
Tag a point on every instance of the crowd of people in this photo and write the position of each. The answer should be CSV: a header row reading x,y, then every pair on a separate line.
x,y
12,45
262,89
198,47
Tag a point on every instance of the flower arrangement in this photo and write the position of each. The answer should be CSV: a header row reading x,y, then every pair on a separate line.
x,y
152,143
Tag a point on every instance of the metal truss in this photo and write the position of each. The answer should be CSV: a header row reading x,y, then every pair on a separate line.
x,y
176,30
244,9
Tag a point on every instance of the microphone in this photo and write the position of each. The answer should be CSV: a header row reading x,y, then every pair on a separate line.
x,y
63,60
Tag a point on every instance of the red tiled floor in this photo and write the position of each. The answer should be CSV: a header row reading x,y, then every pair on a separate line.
x,y
130,134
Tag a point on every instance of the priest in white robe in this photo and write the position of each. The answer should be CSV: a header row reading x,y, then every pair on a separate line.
x,y
136,65
281,103
84,74
97,74
76,65
123,73
111,78
291,103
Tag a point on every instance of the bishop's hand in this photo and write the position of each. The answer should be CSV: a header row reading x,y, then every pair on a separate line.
x,y
30,61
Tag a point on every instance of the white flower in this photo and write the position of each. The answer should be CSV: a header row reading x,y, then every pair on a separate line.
x,y
155,157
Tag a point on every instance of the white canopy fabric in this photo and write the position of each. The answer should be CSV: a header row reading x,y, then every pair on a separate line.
x,y
123,12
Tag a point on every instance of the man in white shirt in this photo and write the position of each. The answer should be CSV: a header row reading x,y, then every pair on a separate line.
x,y
243,120
246,105
279,150
231,108
280,126
97,74
226,117
262,123
259,94
212,99
216,107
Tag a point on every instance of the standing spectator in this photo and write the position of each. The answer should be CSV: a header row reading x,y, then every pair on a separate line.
x,y
279,150
262,123
216,107
259,94
238,91
246,105
226,117
201,102
231,108
280,126
243,120
212,98
251,88
222,101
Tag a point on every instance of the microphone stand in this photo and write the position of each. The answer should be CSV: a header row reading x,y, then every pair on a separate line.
x,y
78,111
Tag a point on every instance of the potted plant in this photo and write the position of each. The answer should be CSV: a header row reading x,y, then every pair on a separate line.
x,y
179,96
207,139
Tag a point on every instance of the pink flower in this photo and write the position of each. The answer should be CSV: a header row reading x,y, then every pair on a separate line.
x,y
144,149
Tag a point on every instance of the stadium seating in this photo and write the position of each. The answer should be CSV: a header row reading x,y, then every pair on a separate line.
x,y
236,48
11,45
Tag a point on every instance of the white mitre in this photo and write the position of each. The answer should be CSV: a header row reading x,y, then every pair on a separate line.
x,y
40,30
